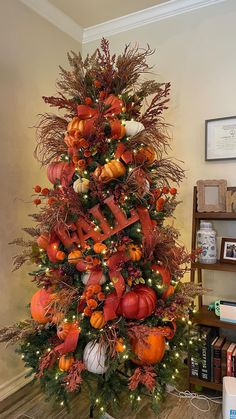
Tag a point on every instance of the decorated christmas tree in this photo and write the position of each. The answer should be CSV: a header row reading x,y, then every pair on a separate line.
x,y
110,313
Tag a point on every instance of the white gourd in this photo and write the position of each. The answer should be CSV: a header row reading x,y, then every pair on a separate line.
x,y
81,185
133,127
94,358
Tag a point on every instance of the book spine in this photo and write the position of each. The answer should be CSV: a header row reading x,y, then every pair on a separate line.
x,y
217,365
229,363
194,367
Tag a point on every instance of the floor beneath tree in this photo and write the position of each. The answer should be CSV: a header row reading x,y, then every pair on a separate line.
x,y
30,403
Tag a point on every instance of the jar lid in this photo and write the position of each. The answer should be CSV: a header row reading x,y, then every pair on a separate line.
x,y
205,224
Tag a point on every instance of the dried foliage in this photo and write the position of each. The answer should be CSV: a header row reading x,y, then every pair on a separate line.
x,y
73,379
61,103
166,170
19,331
157,137
45,362
108,338
25,255
157,105
32,231
72,82
143,375
50,138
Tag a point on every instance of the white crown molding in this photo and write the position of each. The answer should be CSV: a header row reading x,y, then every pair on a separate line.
x,y
144,17
13,385
55,16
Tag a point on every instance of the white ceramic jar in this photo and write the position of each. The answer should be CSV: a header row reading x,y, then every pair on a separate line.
x,y
206,240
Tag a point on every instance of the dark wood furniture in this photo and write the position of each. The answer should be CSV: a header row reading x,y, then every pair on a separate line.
x,y
204,316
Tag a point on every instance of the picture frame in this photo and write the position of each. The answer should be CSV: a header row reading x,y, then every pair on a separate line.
x,y
228,251
220,138
211,195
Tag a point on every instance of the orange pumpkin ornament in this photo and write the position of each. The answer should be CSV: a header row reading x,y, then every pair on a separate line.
x,y
60,255
120,347
74,256
135,252
65,362
150,354
99,248
170,291
64,328
97,320
39,306
146,155
73,125
111,170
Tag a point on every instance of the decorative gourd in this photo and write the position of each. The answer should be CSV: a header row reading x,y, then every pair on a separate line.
x,y
61,171
81,185
85,277
146,155
65,362
135,252
43,241
94,358
97,320
39,306
138,303
60,255
133,127
151,353
117,129
74,256
73,125
111,170
64,328
99,247
120,347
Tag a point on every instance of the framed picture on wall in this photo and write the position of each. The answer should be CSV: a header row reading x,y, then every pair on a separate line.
x,y
220,138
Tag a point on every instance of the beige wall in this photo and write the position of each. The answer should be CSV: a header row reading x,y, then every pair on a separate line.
x,y
196,53
31,50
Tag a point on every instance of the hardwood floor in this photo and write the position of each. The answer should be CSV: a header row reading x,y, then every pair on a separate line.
x,y
30,403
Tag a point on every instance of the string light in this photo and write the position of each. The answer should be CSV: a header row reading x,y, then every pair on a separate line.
x,y
138,398
62,403
22,356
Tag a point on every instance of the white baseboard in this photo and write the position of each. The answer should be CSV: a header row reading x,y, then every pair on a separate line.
x,y
14,384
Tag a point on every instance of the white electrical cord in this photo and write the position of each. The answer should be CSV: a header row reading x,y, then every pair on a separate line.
x,y
194,397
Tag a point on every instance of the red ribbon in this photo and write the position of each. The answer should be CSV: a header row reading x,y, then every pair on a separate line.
x,y
124,153
164,272
70,342
112,301
147,225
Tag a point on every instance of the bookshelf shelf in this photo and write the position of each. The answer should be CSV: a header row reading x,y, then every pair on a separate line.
x,y
208,318
226,267
204,317
207,384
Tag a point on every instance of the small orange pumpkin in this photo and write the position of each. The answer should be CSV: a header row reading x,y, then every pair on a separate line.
x,y
74,256
97,320
151,353
146,154
135,252
120,347
60,255
64,328
65,362
73,124
117,129
99,247
111,170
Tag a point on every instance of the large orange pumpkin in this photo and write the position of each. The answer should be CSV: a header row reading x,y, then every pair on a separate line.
x,y
39,306
65,362
97,320
146,155
150,354
111,170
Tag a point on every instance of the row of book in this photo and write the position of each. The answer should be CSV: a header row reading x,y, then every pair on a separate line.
x,y
217,357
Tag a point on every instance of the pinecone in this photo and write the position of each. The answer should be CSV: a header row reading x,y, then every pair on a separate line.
x,y
68,269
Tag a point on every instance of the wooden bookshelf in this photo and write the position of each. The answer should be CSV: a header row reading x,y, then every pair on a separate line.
x,y
215,215
208,318
226,267
204,383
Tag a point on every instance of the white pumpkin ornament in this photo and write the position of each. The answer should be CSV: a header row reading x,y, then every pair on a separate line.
x,y
81,185
94,358
85,277
133,127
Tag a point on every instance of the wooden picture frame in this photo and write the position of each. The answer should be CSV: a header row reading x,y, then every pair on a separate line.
x,y
211,195
228,251
220,138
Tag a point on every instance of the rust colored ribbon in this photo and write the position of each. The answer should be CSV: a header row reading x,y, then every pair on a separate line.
x,y
112,301
70,342
164,272
124,153
112,103
147,225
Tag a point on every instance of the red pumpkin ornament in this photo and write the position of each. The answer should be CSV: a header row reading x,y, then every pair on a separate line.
x,y
151,353
138,303
39,306
60,172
